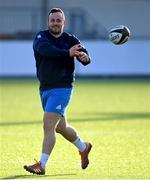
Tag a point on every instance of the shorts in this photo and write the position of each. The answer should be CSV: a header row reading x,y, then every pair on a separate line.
x,y
56,100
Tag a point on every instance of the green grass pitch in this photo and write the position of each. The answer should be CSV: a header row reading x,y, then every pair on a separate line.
x,y
113,114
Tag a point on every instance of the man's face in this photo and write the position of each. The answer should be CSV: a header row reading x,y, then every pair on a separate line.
x,y
56,23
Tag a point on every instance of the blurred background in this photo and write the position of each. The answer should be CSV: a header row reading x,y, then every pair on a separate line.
x,y
111,109
90,21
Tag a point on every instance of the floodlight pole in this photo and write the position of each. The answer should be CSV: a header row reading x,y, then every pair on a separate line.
x,y
44,5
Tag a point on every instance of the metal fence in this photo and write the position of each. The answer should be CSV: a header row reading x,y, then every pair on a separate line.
x,y
22,23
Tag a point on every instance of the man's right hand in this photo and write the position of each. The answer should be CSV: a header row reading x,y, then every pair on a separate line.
x,y
73,51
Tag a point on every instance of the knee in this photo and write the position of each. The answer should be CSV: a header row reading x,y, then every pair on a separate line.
x,y
50,122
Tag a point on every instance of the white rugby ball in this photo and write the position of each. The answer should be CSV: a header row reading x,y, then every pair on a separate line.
x,y
119,34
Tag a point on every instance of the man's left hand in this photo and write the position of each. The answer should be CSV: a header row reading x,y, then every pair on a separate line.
x,y
83,57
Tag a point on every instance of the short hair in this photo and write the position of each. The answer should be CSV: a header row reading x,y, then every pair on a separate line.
x,y
54,10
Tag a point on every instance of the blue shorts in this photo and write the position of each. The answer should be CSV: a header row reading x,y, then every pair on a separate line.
x,y
56,100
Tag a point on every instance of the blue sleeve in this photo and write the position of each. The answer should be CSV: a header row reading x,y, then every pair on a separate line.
x,y
43,46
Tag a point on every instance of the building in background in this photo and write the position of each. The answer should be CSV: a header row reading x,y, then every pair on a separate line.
x,y
89,20
20,19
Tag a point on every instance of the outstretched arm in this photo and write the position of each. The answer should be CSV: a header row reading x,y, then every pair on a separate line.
x,y
83,57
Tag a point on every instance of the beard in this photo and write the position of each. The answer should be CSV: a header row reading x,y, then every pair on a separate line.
x,y
55,30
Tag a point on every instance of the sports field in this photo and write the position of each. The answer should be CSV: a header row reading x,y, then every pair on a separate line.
x,y
113,114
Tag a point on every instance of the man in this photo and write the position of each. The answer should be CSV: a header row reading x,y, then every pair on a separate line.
x,y
54,52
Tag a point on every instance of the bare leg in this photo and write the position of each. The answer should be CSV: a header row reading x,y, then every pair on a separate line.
x,y
66,131
70,134
50,122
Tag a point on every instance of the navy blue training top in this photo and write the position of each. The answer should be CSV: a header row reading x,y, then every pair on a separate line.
x,y
54,66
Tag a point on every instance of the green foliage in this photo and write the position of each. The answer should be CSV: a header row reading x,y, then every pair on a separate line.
x,y
114,115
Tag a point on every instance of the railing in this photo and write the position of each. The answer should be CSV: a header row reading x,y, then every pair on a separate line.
x,y
22,23
16,23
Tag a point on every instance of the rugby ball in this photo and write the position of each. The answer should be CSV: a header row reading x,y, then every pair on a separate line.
x,y
119,34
